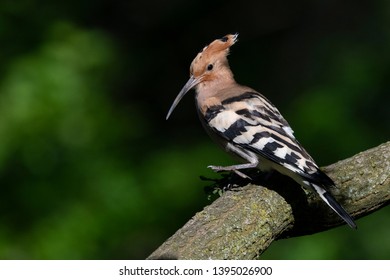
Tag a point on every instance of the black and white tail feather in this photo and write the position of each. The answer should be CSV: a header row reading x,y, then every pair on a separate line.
x,y
248,125
332,203
252,128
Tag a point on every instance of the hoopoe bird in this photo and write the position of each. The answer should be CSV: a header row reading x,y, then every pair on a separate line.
x,y
249,126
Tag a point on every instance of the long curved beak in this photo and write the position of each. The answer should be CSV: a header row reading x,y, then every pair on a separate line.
x,y
189,85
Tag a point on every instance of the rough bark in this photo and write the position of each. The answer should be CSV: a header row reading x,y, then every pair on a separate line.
x,y
241,224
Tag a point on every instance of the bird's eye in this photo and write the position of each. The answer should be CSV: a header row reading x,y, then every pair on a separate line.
x,y
210,67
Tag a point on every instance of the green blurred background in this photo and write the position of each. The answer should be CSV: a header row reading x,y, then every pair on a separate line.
x,y
89,167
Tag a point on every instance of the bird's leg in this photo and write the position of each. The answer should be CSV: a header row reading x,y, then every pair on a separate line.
x,y
233,168
248,156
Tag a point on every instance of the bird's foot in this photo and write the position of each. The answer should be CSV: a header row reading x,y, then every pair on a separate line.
x,y
229,168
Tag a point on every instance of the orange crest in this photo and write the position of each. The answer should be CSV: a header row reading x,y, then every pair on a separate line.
x,y
216,50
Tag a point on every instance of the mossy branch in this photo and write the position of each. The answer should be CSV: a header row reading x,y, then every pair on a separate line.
x,y
241,224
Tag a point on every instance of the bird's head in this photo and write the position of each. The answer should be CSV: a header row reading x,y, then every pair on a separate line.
x,y
210,62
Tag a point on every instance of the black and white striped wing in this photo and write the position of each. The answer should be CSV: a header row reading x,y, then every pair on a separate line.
x,y
253,123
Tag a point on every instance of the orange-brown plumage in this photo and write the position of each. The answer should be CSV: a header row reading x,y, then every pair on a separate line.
x,y
210,72
248,125
217,50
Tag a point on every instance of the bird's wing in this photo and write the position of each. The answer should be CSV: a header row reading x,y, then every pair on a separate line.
x,y
252,122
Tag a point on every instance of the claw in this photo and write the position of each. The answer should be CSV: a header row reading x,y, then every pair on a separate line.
x,y
215,168
228,168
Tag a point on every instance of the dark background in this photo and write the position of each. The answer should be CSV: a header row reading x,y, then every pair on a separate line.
x,y
89,167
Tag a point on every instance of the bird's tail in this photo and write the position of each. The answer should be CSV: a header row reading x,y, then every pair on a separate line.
x,y
331,201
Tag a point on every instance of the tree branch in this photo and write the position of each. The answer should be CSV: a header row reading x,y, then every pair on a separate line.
x,y
242,224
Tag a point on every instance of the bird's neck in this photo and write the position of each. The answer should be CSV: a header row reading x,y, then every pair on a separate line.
x,y
211,91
